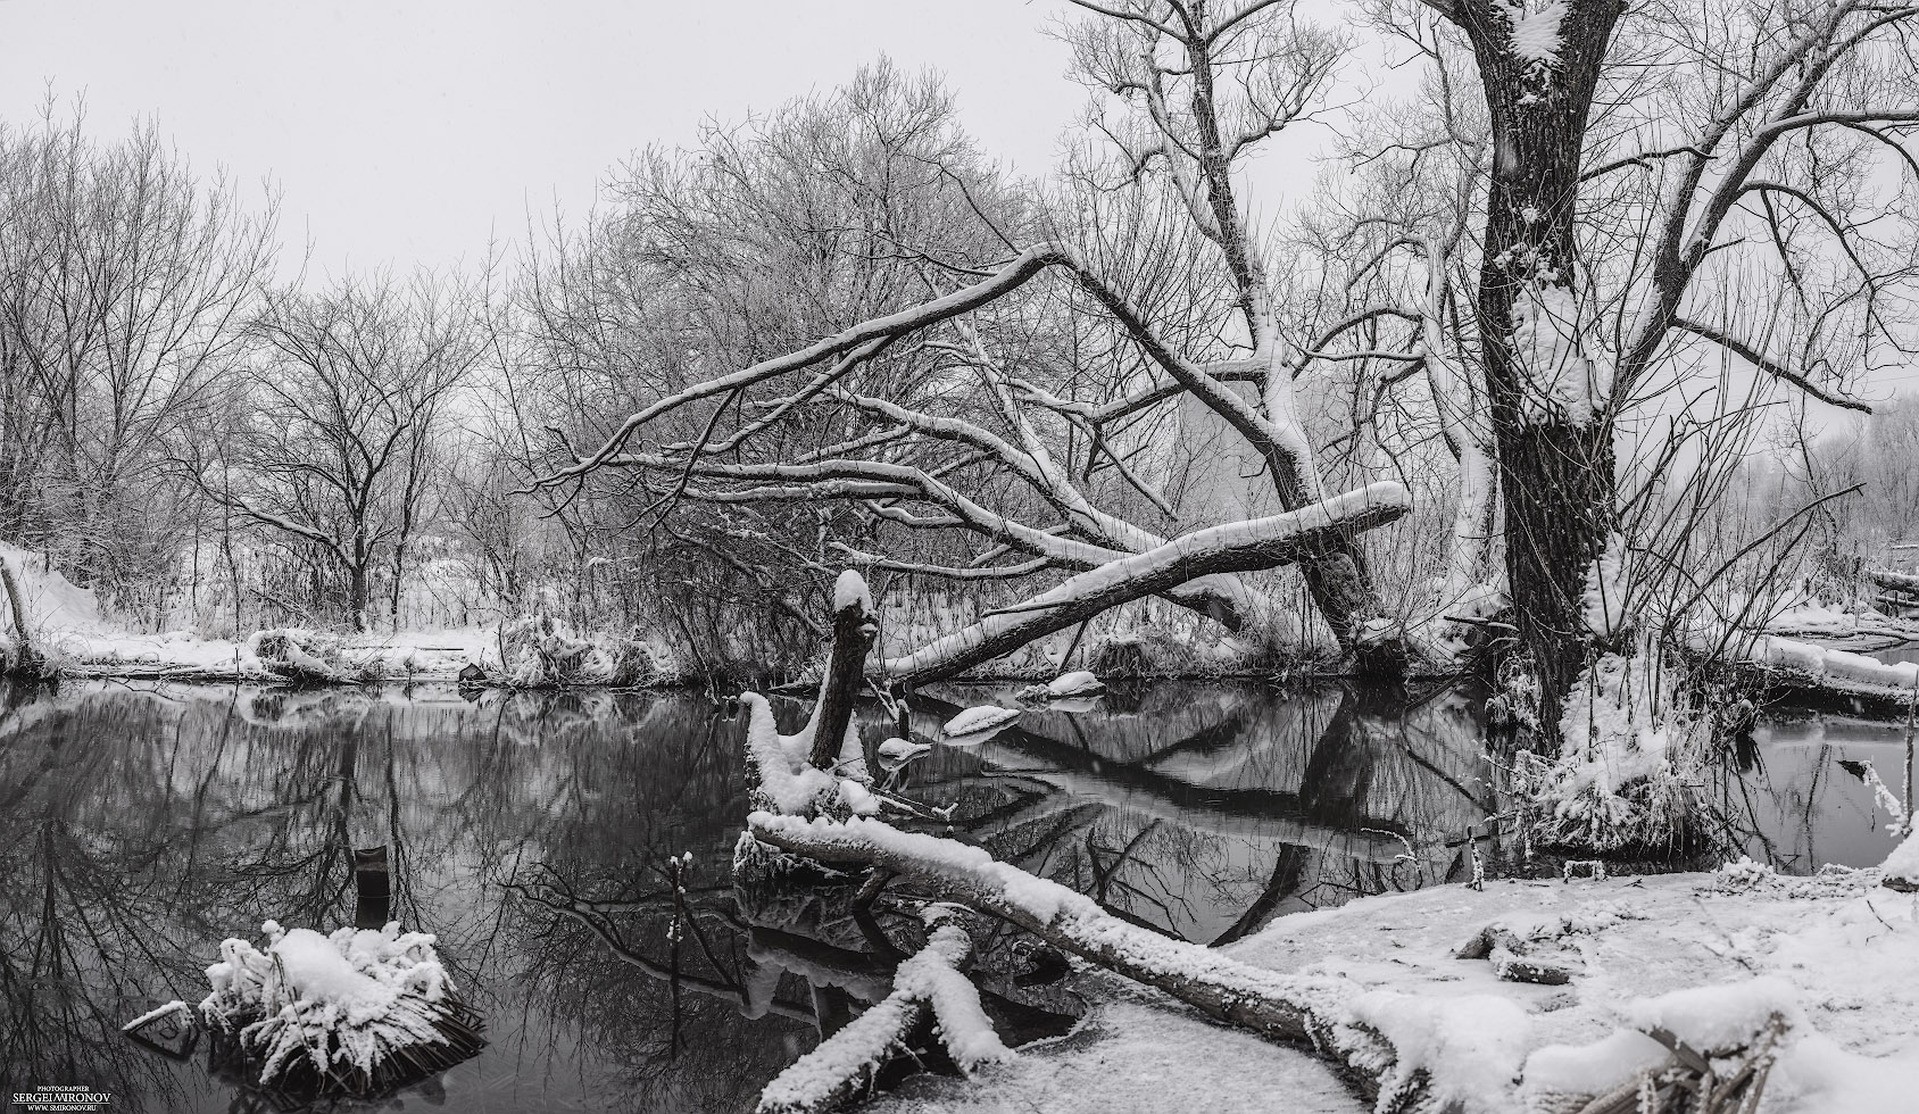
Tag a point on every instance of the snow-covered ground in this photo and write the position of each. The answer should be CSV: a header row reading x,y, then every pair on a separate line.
x,y
1838,952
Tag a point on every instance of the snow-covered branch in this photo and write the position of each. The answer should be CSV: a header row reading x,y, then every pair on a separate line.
x,y
928,984
1236,547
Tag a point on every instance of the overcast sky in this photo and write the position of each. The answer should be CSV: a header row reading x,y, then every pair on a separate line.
x,y
405,130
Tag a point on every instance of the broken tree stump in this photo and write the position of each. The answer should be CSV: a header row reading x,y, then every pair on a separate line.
x,y
853,632
373,888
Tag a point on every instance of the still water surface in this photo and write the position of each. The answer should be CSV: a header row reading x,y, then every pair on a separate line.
x,y
140,825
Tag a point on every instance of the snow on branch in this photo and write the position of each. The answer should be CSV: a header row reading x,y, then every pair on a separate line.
x,y
845,1065
1010,277
1235,547
1771,367
1220,598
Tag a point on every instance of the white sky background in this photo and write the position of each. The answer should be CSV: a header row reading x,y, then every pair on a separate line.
x,y
413,131
410,130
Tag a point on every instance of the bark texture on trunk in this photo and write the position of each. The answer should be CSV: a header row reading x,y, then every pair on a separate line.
x,y
1552,423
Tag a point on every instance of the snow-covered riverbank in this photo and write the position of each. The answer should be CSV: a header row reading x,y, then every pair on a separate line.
x,y
1701,954
71,631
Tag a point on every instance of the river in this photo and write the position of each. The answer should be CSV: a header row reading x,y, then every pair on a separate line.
x,y
141,824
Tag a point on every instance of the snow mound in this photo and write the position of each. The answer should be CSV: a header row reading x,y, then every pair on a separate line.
x,y
1902,866
1079,683
850,589
1472,1046
896,752
54,605
980,720
1716,1018
789,783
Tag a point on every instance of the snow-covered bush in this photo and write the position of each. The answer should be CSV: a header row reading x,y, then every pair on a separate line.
x,y
537,652
357,1011
300,654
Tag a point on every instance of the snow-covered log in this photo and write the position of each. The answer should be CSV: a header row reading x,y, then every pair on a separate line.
x,y
1810,670
1237,547
1315,1012
1896,589
845,1065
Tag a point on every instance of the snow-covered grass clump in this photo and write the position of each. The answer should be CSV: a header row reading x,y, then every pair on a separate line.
x,y
1079,683
356,1011
897,752
1620,780
1065,690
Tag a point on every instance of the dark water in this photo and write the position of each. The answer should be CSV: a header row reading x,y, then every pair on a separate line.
x,y
141,825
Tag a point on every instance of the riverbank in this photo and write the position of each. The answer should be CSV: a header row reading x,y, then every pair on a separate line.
x,y
1708,956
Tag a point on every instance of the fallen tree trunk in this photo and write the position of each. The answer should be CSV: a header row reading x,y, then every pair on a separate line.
x,y
1823,677
1262,543
1312,1012
846,1066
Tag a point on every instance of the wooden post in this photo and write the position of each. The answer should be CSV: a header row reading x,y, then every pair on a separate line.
x,y
374,885
853,632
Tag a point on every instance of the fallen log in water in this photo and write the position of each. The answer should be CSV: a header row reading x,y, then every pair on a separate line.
x,y
1315,1013
1827,678
927,986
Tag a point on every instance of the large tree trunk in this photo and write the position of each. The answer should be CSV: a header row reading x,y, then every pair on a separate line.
x,y
1551,415
357,595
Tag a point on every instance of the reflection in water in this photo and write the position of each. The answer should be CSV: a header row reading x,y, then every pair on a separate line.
x,y
140,826
1797,799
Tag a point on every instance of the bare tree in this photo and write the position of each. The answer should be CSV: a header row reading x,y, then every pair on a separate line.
x,y
952,404
347,395
125,281
1631,180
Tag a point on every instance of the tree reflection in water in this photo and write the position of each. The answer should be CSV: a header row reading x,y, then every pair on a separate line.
x,y
141,825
